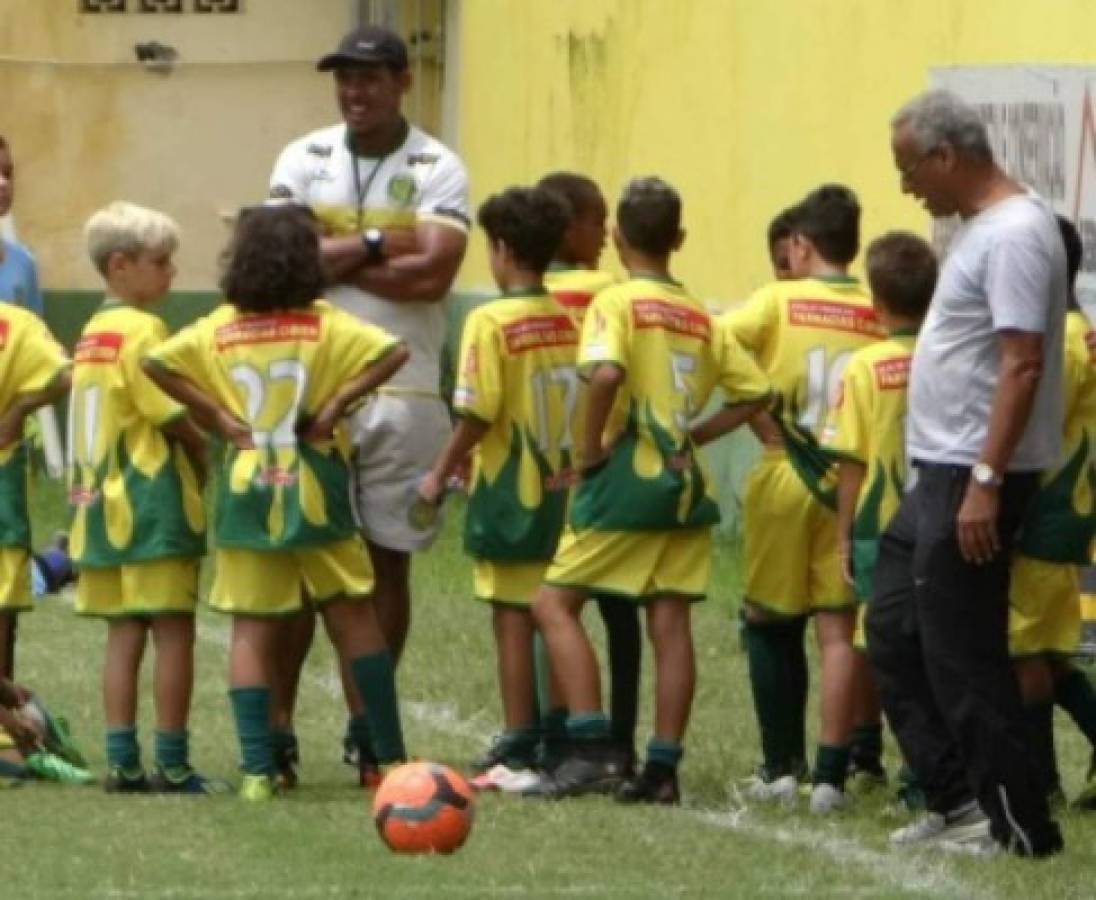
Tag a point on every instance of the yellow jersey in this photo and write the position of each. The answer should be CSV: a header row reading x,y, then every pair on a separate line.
x,y
274,370
866,424
133,491
30,360
574,289
802,334
673,354
1061,522
517,375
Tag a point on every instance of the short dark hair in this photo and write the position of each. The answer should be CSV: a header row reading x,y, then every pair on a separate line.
x,y
782,226
902,273
1075,251
4,143
580,193
829,217
273,259
530,221
648,214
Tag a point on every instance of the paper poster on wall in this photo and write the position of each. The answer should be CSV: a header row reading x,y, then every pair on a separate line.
x,y
1043,131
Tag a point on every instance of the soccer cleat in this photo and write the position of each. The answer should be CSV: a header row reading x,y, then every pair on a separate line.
x,y
350,750
964,823
257,788
589,770
827,799
984,847
654,784
784,789
50,767
370,775
286,760
119,781
507,750
507,780
58,737
185,782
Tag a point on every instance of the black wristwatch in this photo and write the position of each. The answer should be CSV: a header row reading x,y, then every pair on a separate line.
x,y
373,242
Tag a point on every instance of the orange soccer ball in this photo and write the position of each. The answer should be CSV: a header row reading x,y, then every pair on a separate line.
x,y
423,807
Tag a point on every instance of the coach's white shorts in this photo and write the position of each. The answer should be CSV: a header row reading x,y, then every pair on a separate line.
x,y
397,438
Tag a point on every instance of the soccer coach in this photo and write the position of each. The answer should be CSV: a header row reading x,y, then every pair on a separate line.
x,y
985,417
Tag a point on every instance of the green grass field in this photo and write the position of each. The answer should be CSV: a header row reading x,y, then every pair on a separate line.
x,y
319,842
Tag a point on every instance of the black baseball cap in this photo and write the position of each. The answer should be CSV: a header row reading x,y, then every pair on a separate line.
x,y
367,45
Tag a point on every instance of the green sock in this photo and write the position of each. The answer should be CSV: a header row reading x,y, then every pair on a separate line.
x,y
866,746
831,765
664,753
172,750
1039,719
588,727
251,710
375,677
542,694
774,693
798,681
1073,692
123,751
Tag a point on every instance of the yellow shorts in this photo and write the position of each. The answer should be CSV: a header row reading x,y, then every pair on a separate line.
x,y
14,580
1044,608
274,583
789,544
639,565
515,583
151,588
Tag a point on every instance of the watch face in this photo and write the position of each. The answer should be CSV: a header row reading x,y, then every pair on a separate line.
x,y
373,235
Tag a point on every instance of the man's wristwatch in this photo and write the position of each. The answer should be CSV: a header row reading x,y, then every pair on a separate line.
x,y
373,242
982,474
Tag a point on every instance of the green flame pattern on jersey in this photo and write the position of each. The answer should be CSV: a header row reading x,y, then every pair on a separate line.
x,y
1054,529
498,526
867,525
633,492
272,498
14,524
813,462
148,517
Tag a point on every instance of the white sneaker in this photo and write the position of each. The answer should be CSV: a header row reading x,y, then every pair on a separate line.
x,y
984,847
827,799
965,823
783,790
509,781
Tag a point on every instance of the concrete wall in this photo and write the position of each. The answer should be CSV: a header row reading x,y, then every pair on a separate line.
x,y
743,104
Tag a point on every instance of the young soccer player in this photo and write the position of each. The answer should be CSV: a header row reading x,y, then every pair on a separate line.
x,y
1044,595
33,372
574,280
641,517
273,371
866,430
515,401
802,333
138,526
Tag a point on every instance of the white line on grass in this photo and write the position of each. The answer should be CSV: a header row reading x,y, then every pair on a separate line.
x,y
905,872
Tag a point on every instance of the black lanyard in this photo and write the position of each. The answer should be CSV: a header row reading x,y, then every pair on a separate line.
x,y
363,191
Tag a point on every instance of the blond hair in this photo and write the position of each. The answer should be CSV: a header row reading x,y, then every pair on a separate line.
x,y
129,229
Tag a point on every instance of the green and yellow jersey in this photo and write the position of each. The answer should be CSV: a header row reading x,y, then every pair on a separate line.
x,y
574,288
673,354
134,493
30,360
802,334
1061,521
866,424
273,371
517,375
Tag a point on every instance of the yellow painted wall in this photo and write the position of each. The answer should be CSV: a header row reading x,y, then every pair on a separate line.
x,y
89,124
743,104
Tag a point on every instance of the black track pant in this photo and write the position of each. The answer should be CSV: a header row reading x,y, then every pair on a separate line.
x,y
937,629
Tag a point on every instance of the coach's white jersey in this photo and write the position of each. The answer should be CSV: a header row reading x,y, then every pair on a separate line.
x,y
421,181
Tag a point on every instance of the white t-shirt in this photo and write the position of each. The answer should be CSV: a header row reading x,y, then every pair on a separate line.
x,y
1005,270
421,181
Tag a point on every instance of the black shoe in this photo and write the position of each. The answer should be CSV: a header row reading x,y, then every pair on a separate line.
x,y
119,781
505,750
286,760
624,754
654,784
590,770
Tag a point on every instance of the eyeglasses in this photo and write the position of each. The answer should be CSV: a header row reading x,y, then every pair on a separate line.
x,y
905,173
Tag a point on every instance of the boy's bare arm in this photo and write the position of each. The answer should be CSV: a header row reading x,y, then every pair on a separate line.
x,y
850,478
468,433
209,414
12,419
321,426
190,436
726,419
605,381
